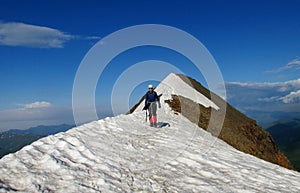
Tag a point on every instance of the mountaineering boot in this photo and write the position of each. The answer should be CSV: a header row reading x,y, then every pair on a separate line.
x,y
154,121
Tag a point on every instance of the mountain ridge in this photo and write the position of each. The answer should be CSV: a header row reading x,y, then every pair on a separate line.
x,y
247,136
43,130
124,154
238,130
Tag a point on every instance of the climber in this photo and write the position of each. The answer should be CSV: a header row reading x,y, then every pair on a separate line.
x,y
150,103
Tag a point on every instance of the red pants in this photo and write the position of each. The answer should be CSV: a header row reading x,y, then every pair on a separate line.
x,y
153,119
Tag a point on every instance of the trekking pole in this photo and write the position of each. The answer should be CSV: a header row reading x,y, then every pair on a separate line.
x,y
146,115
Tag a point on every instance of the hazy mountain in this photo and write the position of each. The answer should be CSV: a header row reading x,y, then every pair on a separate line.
x,y
43,130
268,118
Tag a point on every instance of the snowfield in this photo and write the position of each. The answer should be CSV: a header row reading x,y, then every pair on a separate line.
x,y
124,154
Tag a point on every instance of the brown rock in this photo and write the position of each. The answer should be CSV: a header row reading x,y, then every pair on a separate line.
x,y
238,130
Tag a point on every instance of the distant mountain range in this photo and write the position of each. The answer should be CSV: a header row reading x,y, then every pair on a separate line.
x,y
43,130
267,119
14,139
286,133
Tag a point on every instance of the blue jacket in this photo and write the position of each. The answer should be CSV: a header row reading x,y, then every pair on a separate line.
x,y
151,97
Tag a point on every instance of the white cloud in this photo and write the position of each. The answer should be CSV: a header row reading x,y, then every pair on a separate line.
x,y
292,97
93,38
269,99
294,64
26,35
38,104
21,34
278,86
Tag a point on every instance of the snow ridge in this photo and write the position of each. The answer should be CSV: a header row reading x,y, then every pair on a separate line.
x,y
174,85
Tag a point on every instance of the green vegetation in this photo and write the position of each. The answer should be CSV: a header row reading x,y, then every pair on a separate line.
x,y
292,151
11,142
287,135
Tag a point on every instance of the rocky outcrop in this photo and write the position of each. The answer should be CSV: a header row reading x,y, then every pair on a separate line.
x,y
238,130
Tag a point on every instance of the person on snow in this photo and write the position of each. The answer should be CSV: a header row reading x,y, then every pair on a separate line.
x,y
150,102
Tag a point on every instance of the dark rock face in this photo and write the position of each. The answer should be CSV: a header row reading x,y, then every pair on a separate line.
x,y
238,130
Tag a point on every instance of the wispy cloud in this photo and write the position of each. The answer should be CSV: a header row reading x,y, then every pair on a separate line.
x,y
21,34
275,86
269,99
26,35
290,98
37,104
92,38
294,64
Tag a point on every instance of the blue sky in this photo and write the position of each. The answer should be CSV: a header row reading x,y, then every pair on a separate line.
x,y
255,44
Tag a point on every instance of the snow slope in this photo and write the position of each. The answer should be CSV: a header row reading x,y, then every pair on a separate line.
x,y
124,154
